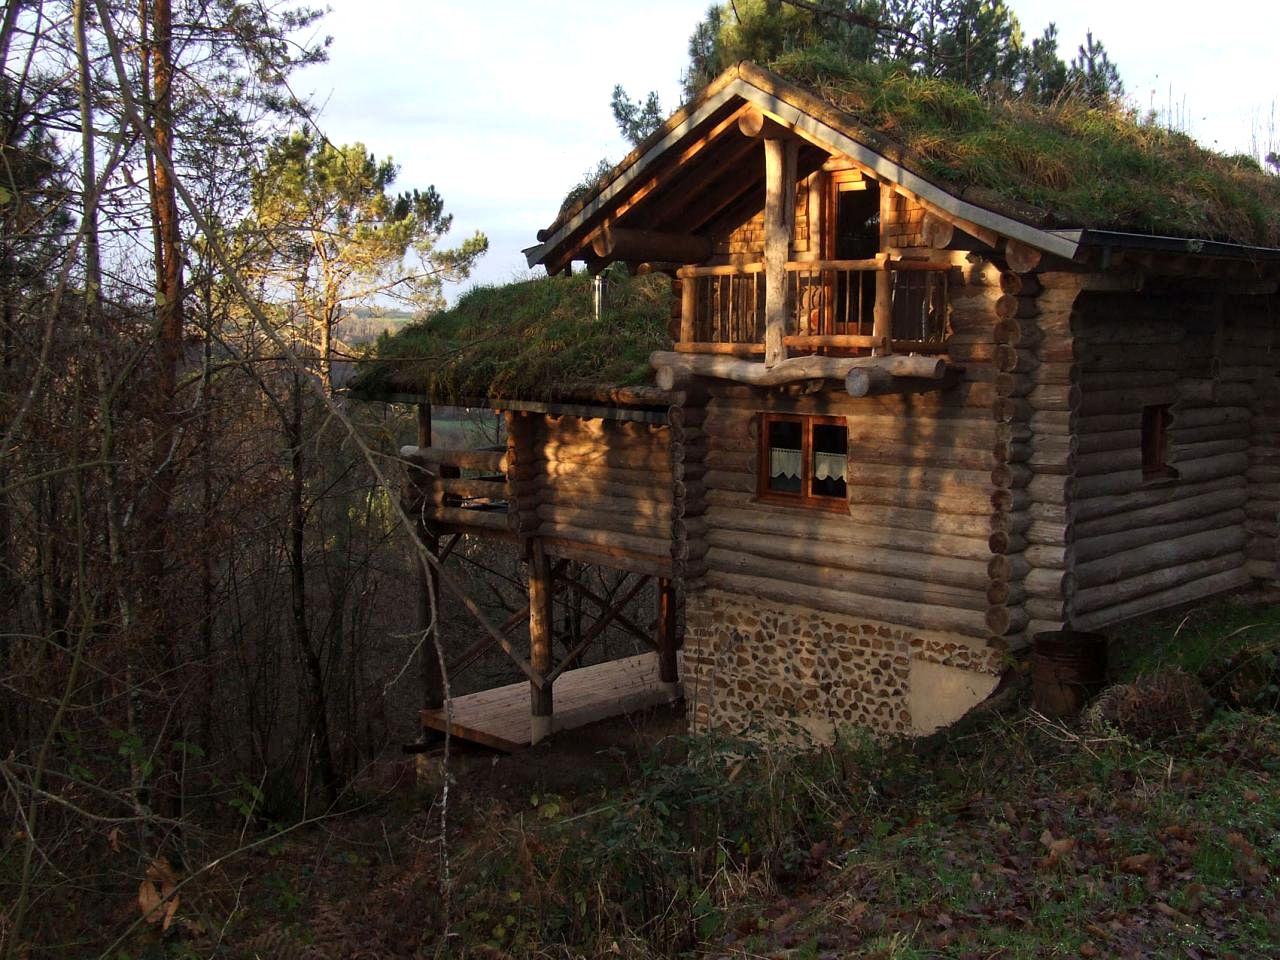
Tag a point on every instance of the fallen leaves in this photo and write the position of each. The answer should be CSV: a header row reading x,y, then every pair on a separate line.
x,y
157,896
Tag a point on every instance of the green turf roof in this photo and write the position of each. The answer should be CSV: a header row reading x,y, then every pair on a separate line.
x,y
1071,164
536,339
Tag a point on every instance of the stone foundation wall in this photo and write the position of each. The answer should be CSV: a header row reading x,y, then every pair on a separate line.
x,y
748,663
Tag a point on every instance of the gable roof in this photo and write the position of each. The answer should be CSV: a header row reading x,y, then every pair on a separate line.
x,y
701,141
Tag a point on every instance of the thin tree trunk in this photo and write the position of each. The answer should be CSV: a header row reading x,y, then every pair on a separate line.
x,y
314,669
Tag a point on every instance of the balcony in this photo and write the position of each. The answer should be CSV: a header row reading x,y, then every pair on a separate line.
x,y
830,308
878,324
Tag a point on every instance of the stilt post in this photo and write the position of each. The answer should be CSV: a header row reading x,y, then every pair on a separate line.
x,y
541,625
667,639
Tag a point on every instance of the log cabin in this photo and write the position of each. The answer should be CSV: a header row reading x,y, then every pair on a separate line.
x,y
906,419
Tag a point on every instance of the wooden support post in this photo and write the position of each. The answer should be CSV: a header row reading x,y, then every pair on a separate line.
x,y
882,323
777,247
667,640
541,625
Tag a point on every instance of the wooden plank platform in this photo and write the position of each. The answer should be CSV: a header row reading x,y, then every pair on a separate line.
x,y
499,718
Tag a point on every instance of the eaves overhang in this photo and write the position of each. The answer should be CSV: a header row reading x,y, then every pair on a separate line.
x,y
793,107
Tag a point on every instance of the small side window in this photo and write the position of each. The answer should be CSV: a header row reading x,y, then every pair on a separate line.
x,y
1155,443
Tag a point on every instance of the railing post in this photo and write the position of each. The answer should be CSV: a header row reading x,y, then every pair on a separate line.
x,y
883,325
688,309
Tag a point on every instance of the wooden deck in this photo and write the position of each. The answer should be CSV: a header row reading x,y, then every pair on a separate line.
x,y
499,718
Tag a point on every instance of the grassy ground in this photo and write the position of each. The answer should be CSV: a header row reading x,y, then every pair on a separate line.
x,y
1006,836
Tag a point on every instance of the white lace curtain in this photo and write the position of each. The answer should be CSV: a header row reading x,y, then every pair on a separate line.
x,y
829,466
784,462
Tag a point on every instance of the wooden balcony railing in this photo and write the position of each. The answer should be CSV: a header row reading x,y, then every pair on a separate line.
x,y
831,307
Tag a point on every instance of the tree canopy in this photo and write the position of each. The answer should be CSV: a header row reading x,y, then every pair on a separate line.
x,y
977,44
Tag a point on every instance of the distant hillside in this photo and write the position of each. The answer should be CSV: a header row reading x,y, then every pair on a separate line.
x,y
365,326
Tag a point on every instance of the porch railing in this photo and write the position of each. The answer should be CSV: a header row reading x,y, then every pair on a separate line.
x,y
830,307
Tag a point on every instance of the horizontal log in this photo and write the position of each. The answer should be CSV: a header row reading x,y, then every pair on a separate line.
x,y
1011,476
1015,284
557,471
611,557
1051,489
1096,508
787,371
1181,452
497,521
1107,462
1018,334
931,520
1013,307
1049,582
1208,416
618,243
1048,556
718,348
1159,590
591,517
471,489
806,572
1142,515
1004,619
493,461
812,531
1091,443
1050,533
1175,551
1004,592
958,402
1044,608
655,457
924,480
1009,500
650,499
970,623
631,543
1002,541
1013,567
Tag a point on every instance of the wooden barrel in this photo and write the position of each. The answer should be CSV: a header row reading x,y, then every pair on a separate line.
x,y
1067,668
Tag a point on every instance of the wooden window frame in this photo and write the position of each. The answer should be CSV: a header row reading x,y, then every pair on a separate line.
x,y
803,498
1156,419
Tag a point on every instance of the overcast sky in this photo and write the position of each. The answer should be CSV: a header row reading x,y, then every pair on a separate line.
x,y
504,104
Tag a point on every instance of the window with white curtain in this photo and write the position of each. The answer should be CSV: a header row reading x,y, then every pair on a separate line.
x,y
804,460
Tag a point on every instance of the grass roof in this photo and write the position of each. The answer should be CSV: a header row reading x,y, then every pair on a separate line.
x,y
536,339
1071,164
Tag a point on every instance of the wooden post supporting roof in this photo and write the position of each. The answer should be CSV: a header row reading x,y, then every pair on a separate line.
x,y
882,323
541,625
780,183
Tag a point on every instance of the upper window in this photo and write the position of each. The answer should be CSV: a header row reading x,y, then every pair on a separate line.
x,y
803,460
1155,443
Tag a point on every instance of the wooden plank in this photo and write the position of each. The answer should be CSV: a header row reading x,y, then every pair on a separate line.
x,y
499,718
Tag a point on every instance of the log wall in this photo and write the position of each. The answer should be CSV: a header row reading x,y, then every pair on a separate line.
x,y
1141,543
599,491
745,240
827,615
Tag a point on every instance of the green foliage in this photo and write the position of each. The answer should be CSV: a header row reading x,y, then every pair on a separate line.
x,y
636,120
536,338
339,237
